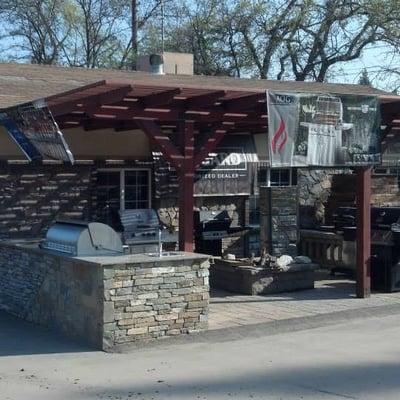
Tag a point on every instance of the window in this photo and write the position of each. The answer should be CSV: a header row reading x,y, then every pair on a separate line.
x,y
280,177
277,176
123,189
381,171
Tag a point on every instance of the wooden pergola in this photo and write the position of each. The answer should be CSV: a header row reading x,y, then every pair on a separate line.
x,y
186,124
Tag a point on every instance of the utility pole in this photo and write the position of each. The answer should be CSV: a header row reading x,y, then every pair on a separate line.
x,y
134,36
162,27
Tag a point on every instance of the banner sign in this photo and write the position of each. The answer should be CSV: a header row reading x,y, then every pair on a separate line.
x,y
19,138
36,132
229,170
322,130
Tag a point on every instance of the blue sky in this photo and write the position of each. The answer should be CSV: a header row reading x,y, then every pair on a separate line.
x,y
373,59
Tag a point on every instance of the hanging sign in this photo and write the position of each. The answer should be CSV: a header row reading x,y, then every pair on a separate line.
x,y
19,138
322,130
35,131
229,170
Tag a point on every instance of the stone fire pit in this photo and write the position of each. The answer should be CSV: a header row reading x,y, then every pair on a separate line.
x,y
240,277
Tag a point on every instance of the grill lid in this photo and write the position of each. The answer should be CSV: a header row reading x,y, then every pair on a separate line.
x,y
79,238
212,220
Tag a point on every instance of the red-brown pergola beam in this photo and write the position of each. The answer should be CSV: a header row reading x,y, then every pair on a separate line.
x,y
210,145
363,284
186,189
113,95
204,100
165,114
245,102
159,98
162,141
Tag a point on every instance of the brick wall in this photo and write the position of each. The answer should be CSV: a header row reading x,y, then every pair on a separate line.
x,y
32,197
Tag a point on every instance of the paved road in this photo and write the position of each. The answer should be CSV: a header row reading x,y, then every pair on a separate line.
x,y
356,360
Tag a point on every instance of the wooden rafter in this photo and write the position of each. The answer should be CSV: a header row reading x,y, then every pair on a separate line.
x,y
242,103
159,98
93,98
162,141
204,100
210,144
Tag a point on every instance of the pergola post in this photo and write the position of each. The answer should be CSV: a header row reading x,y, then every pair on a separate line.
x,y
363,284
186,188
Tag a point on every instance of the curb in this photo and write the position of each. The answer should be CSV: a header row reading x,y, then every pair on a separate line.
x,y
267,328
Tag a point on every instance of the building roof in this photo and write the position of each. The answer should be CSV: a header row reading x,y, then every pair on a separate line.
x,y
22,83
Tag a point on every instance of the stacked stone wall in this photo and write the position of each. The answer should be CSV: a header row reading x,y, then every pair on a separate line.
x,y
235,206
155,300
58,292
385,191
321,191
129,298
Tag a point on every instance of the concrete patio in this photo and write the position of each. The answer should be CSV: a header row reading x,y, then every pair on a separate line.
x,y
331,294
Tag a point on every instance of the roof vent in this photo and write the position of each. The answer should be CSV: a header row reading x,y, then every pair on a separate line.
x,y
156,62
166,63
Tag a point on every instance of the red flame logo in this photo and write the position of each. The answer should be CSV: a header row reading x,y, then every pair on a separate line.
x,y
280,136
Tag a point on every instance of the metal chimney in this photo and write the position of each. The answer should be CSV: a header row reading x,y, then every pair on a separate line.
x,y
156,64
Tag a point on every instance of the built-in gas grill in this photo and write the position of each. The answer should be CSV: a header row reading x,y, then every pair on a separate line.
x,y
78,238
141,230
212,225
385,261
210,228
385,241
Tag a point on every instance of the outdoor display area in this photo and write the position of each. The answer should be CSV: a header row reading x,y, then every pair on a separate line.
x,y
199,170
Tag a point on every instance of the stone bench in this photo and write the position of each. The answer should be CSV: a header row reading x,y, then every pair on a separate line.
x,y
237,277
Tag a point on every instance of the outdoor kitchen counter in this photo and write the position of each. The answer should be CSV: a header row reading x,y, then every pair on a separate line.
x,y
144,258
105,300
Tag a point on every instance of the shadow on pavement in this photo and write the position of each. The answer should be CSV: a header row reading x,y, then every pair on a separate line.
x,y
351,381
18,337
330,291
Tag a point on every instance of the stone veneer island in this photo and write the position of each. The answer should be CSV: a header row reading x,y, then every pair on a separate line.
x,y
106,301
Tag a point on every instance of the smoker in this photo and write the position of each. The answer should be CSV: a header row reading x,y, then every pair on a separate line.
x,y
210,227
142,230
79,238
385,261
385,243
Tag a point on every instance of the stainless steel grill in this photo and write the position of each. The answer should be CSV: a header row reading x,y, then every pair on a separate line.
x,y
141,230
140,224
78,238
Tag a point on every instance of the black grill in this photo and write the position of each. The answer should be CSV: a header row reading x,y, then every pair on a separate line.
x,y
385,243
210,228
210,225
